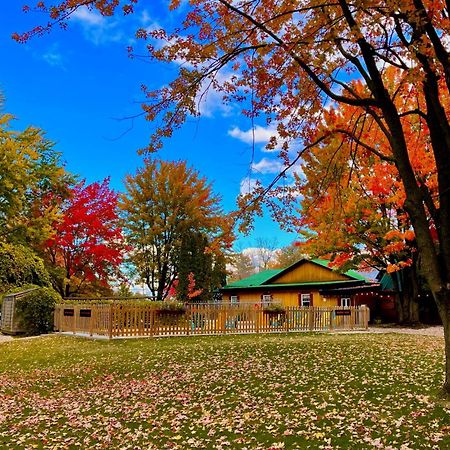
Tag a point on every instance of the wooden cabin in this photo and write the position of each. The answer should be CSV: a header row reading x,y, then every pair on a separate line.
x,y
304,283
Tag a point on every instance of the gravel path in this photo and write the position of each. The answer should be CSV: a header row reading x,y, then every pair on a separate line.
x,y
4,338
437,331
426,331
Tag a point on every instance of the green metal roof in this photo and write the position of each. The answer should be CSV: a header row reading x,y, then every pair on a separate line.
x,y
263,278
256,279
338,283
386,282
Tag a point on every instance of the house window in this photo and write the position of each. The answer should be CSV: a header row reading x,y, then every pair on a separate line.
x,y
266,299
346,302
234,299
305,300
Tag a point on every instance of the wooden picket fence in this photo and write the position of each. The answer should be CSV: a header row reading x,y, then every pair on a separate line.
x,y
122,320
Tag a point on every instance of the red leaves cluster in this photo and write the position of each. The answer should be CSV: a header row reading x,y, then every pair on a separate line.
x,y
88,240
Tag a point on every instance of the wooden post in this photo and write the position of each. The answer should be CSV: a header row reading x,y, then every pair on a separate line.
x,y
74,323
91,320
311,318
331,319
152,321
110,324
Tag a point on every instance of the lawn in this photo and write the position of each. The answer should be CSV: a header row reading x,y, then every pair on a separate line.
x,y
292,391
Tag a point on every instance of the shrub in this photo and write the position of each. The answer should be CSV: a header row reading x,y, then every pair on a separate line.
x,y
20,266
170,306
36,310
274,308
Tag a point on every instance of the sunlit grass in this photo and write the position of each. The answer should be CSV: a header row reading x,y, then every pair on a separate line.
x,y
242,392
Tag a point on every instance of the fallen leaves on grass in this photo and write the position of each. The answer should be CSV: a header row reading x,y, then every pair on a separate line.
x,y
252,392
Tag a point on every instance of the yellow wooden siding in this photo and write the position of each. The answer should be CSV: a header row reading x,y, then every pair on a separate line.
x,y
327,301
286,298
309,272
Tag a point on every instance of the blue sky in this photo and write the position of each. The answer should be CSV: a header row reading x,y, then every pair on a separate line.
x,y
79,86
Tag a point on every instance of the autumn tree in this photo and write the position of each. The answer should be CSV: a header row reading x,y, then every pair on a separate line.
x,y
32,183
165,202
352,204
19,266
286,60
87,247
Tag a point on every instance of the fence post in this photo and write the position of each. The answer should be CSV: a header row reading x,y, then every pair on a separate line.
x,y
74,319
59,321
152,322
91,320
110,324
311,318
366,317
331,318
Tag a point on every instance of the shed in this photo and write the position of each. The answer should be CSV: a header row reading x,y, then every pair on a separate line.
x,y
10,319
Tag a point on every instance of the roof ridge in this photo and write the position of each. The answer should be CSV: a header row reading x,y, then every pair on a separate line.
x,y
266,276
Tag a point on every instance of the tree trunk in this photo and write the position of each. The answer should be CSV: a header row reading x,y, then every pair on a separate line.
x,y
67,289
414,316
407,306
399,307
406,300
443,301
410,295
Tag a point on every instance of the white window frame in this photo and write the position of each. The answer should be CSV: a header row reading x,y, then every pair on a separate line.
x,y
266,299
305,298
234,299
346,302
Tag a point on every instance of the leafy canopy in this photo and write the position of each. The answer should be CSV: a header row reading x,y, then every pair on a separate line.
x,y
165,203
32,183
88,244
284,61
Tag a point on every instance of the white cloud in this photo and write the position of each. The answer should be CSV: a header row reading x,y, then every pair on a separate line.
x,y
257,134
267,165
97,29
145,18
88,17
211,102
247,185
53,57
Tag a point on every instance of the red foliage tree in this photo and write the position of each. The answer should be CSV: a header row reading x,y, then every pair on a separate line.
x,y
88,245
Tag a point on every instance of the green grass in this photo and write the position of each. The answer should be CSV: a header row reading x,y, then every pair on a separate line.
x,y
292,391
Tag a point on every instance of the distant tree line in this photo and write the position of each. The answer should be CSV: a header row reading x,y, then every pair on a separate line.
x,y
166,230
